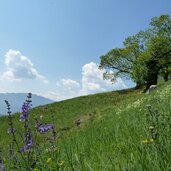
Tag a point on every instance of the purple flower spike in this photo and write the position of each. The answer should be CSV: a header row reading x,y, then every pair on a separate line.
x,y
2,167
38,124
45,128
10,130
28,143
25,111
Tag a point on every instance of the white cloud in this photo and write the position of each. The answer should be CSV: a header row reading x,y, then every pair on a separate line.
x,y
19,67
56,96
50,95
69,84
69,88
92,82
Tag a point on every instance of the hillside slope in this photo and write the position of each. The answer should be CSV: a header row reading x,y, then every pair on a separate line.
x,y
64,114
123,130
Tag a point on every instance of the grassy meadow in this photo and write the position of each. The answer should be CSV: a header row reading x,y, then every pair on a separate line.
x,y
123,130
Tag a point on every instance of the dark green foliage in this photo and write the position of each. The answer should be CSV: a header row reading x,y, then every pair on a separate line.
x,y
144,56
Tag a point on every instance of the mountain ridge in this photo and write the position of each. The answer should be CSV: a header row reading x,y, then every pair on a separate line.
x,y
16,100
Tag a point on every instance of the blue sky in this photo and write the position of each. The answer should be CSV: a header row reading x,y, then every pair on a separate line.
x,y
52,47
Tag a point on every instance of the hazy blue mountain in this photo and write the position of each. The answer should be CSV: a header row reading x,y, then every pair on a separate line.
x,y
16,100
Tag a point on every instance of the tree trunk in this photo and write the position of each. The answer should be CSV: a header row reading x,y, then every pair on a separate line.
x,y
139,86
152,79
152,73
166,76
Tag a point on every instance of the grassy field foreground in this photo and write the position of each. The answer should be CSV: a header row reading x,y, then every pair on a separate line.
x,y
123,130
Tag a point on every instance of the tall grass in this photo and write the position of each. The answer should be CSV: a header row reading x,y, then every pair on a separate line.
x,y
118,131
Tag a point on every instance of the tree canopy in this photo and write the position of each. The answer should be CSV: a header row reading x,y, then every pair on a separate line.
x,y
144,56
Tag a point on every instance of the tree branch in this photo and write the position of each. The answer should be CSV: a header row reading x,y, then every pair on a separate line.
x,y
165,64
121,70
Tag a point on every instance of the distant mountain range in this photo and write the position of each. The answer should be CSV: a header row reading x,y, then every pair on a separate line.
x,y
16,100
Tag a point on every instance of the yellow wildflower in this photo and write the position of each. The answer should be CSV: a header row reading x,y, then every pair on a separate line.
x,y
151,127
151,140
48,160
145,141
61,163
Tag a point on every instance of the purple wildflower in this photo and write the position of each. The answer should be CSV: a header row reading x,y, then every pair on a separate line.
x,y
1,166
10,130
25,111
29,96
25,108
38,124
8,107
45,128
28,142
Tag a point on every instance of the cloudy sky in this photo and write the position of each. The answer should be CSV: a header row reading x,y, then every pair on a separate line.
x,y
52,47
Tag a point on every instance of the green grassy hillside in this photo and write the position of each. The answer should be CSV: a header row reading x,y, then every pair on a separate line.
x,y
122,130
64,114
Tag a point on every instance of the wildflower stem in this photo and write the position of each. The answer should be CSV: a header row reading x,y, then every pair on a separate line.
x,y
13,132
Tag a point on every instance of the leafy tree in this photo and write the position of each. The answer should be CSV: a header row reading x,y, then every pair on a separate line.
x,y
121,61
162,26
166,73
159,48
144,56
117,60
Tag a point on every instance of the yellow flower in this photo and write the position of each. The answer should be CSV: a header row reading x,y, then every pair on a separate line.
x,y
151,140
151,127
61,163
48,160
145,141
